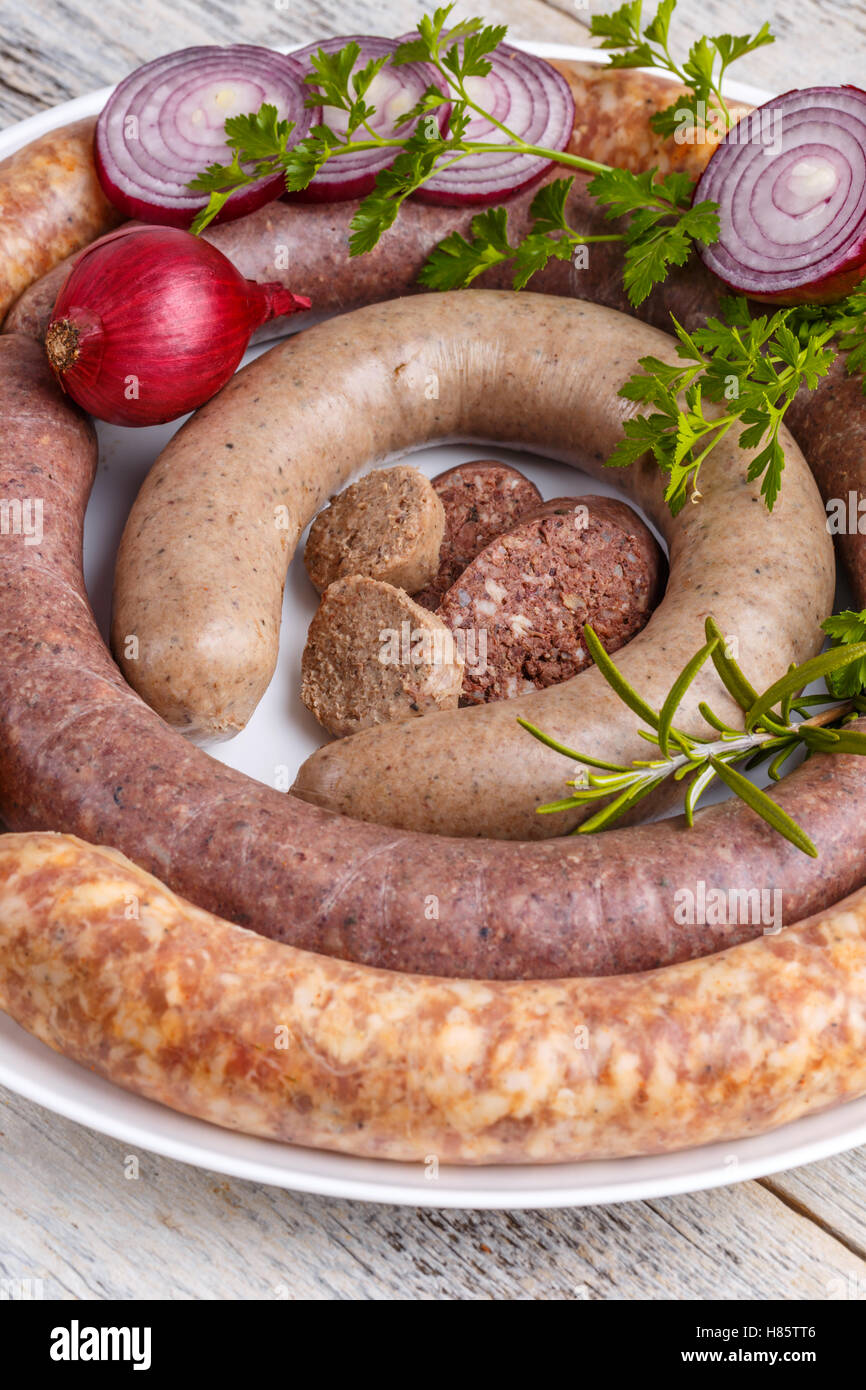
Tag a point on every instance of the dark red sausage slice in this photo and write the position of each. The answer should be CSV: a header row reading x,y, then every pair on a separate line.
x,y
522,603
481,500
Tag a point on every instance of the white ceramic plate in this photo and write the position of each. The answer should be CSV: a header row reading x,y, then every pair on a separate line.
x,y
283,733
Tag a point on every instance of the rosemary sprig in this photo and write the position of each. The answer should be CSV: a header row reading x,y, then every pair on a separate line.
x,y
770,735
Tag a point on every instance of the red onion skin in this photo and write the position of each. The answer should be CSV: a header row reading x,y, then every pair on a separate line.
x,y
152,321
829,290
242,202
453,199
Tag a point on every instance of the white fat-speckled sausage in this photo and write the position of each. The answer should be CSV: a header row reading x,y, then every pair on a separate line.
x,y
51,204
101,962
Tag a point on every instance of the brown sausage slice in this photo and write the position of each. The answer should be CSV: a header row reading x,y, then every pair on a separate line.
x,y
526,597
373,656
387,526
481,500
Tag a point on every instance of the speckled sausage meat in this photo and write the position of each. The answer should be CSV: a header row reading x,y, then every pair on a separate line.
x,y
481,499
51,204
612,110
523,601
80,752
102,963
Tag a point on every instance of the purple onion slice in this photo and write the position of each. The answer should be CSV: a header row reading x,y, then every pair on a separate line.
x,y
165,123
790,181
528,96
394,91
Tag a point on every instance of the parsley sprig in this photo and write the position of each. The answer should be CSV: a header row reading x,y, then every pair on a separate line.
x,y
661,233
663,225
847,321
748,370
703,72
847,629
770,735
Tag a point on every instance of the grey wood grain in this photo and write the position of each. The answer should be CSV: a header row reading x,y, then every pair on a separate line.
x,y
70,1216
817,41
51,50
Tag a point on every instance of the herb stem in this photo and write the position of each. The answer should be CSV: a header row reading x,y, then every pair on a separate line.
x,y
697,761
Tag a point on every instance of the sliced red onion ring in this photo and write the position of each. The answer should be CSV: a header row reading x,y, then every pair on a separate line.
x,y
790,181
393,91
165,123
528,96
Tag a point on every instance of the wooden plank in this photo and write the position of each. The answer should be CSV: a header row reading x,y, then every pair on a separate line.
x,y
821,41
834,1195
70,1216
56,49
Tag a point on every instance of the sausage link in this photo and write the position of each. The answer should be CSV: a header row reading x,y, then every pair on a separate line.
x,y
201,566
80,752
547,909
51,204
612,110
102,963
308,245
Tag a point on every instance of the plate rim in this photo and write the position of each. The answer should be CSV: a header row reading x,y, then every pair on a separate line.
x,y
390,1183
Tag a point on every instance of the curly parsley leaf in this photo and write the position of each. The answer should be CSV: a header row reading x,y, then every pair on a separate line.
x,y
846,319
459,260
621,29
748,370
664,225
378,211
730,47
847,629
456,262
703,72
259,135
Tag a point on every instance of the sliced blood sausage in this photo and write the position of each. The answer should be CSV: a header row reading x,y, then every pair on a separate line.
x,y
481,500
521,605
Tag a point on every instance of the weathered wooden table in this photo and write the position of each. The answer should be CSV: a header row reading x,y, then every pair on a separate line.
x,y
68,1212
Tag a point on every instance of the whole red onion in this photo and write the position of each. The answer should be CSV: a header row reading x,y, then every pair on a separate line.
x,y
151,322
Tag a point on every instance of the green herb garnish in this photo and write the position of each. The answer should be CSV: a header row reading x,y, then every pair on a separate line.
x,y
663,225
770,736
750,367
847,629
703,72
